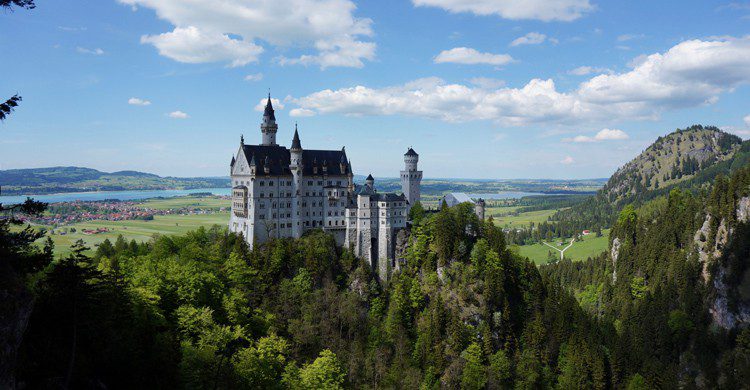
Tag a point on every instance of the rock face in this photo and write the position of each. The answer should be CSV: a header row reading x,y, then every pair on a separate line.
x,y
402,244
615,253
743,210
725,314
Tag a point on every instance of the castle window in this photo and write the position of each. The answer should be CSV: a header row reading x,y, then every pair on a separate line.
x,y
309,182
338,182
262,183
329,223
270,183
261,216
270,195
320,182
382,222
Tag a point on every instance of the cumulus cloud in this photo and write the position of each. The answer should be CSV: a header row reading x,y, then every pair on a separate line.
x,y
586,70
233,30
194,46
301,112
602,135
747,120
254,77
469,56
95,52
532,38
546,10
691,73
178,115
567,160
134,101
277,104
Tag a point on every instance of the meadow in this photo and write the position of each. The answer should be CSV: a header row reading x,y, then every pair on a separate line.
x,y
589,246
141,230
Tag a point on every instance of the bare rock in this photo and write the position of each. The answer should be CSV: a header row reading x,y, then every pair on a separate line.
x,y
615,253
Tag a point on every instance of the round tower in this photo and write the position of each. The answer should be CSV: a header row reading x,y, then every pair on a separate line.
x,y
295,166
411,177
269,127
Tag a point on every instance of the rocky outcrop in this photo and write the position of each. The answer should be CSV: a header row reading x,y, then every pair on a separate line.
x,y
725,314
706,254
615,253
402,244
743,210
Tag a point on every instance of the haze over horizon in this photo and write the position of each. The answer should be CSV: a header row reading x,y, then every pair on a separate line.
x,y
568,89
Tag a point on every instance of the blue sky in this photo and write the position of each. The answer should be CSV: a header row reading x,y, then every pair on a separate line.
x,y
480,88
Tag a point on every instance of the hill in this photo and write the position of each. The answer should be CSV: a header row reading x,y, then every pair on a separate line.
x,y
672,159
76,179
688,158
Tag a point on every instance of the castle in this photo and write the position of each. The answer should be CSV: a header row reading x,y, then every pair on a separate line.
x,y
279,192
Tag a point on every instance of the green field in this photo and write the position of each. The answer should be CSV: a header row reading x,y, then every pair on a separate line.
x,y
140,230
499,214
581,250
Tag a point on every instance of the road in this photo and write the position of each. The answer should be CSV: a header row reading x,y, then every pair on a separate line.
x,y
562,251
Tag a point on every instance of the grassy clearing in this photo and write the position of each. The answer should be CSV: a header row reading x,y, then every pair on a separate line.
x,y
522,219
135,229
590,246
144,230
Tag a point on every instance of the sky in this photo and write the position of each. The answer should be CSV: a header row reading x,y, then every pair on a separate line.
x,y
492,89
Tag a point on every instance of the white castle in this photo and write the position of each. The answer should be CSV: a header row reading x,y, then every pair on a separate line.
x,y
279,192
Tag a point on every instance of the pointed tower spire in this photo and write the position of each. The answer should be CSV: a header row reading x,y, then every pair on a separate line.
x,y
296,144
269,127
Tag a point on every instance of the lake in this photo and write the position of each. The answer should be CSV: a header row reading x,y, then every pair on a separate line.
x,y
138,195
507,195
102,195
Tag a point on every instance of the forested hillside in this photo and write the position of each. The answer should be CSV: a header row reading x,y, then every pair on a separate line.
x,y
688,158
76,179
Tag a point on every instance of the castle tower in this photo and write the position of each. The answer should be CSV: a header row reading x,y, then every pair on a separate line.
x,y
479,206
295,166
269,127
411,177
370,182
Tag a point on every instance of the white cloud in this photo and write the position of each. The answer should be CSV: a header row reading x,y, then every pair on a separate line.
x,y
690,74
532,38
301,112
194,46
747,120
254,77
602,135
586,70
469,56
178,115
277,104
567,160
546,10
95,52
138,102
231,31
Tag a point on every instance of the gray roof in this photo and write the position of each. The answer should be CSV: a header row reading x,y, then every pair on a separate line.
x,y
411,152
296,144
369,177
460,197
269,109
278,158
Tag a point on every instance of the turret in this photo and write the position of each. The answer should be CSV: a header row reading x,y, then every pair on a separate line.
x,y
269,127
479,206
370,182
342,162
411,177
411,158
296,150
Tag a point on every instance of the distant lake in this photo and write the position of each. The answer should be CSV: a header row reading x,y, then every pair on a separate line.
x,y
102,195
508,195
137,195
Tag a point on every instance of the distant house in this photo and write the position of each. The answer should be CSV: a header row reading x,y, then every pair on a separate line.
x,y
586,232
